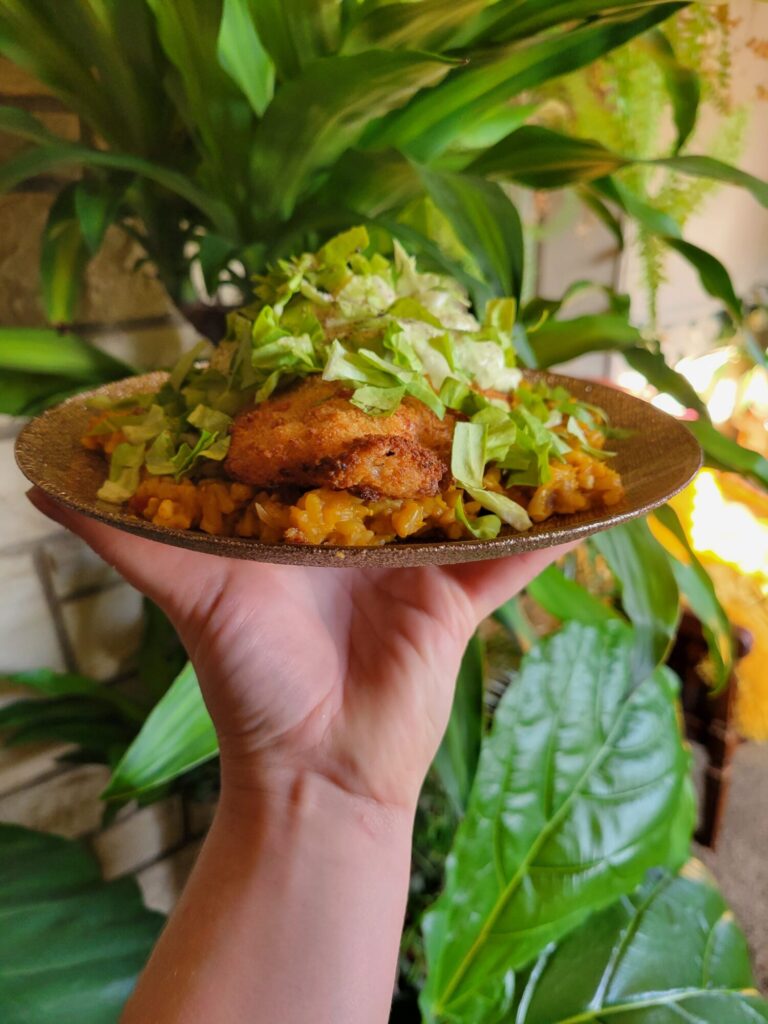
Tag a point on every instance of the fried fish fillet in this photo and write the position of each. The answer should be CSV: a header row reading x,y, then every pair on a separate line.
x,y
312,436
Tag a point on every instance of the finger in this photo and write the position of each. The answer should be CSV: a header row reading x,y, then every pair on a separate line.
x,y
172,577
490,584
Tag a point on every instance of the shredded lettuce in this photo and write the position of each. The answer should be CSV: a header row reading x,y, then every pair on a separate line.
x,y
152,424
468,461
187,361
484,527
124,472
211,420
384,330
505,508
378,401
159,458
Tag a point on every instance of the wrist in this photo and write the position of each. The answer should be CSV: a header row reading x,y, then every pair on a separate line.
x,y
302,801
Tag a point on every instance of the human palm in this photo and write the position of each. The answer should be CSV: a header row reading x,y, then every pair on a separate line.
x,y
342,672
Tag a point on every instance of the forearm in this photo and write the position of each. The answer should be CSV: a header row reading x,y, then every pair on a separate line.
x,y
293,913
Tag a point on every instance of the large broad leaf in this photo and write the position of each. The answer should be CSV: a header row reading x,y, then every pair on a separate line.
x,y
699,591
486,222
649,590
568,600
177,736
534,857
723,453
457,757
338,97
430,123
669,953
71,945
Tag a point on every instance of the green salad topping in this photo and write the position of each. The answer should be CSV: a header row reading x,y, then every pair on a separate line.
x,y
385,330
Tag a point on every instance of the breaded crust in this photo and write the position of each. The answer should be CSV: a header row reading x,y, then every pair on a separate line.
x,y
388,466
312,436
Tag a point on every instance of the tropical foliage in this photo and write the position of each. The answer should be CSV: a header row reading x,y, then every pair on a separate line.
x,y
72,945
228,134
223,135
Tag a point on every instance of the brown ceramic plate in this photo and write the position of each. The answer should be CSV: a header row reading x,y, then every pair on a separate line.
x,y
656,461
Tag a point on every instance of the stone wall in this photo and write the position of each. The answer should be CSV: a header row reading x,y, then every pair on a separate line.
x,y
62,607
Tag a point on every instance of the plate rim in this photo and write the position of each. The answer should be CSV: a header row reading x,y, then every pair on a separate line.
x,y
406,554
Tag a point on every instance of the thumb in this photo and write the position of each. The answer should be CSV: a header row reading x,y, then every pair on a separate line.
x,y
178,581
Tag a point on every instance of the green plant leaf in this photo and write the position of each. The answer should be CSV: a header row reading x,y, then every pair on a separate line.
x,y
653,220
723,453
433,119
26,394
427,25
486,222
96,206
699,591
649,591
64,256
512,617
58,153
683,85
38,350
716,170
558,341
456,760
533,858
242,54
542,158
506,20
539,310
487,130
177,736
603,213
295,32
100,59
161,655
71,945
670,952
568,600
338,97
70,684
213,106
713,276
660,374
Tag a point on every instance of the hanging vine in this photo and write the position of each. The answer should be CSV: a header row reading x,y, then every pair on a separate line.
x,y
623,102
